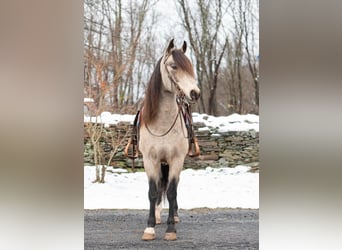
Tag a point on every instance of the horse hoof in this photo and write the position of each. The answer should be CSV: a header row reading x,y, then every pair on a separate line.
x,y
176,218
158,221
170,236
147,236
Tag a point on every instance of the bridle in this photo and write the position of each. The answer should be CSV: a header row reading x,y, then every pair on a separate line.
x,y
184,111
173,81
180,99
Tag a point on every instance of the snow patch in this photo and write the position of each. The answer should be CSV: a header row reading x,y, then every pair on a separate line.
x,y
210,187
88,99
234,122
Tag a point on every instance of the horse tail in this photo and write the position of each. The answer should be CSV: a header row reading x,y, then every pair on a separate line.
x,y
164,176
163,181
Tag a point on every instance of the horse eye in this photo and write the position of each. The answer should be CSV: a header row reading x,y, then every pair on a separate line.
x,y
173,66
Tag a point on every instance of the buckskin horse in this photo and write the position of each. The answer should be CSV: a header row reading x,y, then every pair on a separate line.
x,y
165,133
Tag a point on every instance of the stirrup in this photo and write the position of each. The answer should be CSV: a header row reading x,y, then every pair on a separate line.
x,y
194,149
135,152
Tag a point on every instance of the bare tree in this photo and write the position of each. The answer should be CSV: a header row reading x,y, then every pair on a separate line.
x,y
241,59
115,31
203,22
105,142
249,19
118,57
235,56
123,36
94,131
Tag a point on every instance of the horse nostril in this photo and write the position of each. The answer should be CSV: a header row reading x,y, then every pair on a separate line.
x,y
194,95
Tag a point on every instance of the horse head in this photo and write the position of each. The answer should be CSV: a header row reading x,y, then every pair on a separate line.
x,y
178,74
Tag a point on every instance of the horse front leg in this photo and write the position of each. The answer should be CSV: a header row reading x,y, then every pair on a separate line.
x,y
149,232
172,198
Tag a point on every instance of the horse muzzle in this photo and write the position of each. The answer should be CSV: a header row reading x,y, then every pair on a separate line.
x,y
194,95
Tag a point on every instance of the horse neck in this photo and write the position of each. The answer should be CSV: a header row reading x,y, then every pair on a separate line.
x,y
168,108
168,102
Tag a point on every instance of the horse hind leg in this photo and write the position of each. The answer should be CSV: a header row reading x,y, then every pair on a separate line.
x,y
164,175
176,217
159,208
171,196
149,232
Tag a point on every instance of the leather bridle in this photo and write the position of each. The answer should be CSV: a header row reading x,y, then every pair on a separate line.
x,y
180,99
184,111
175,82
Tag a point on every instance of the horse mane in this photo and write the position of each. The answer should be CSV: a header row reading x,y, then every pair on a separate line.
x,y
152,95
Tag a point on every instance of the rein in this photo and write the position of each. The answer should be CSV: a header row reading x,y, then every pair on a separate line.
x,y
184,107
180,98
184,110
168,131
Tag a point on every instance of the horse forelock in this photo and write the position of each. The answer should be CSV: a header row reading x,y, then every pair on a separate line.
x,y
183,62
152,95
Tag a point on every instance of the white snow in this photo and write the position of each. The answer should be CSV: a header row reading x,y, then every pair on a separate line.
x,y
234,122
223,187
108,118
86,99
210,187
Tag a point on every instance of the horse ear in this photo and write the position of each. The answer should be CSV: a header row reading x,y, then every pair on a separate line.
x,y
170,46
184,47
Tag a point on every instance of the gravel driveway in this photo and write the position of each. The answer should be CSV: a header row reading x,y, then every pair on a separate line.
x,y
198,229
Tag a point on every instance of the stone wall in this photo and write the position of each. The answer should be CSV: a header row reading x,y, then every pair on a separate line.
x,y
217,149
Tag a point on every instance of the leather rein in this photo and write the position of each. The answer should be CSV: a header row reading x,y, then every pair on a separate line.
x,y
180,99
184,111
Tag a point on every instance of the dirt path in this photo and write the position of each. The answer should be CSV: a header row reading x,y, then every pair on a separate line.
x,y
198,229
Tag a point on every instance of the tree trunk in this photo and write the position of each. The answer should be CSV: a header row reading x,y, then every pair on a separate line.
x,y
103,173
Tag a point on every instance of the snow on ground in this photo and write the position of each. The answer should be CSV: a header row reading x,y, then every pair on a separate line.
x,y
234,122
224,187
88,100
212,188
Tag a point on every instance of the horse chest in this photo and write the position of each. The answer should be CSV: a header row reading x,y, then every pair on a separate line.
x,y
163,149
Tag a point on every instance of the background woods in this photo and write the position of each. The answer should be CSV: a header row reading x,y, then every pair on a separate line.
x,y
124,39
